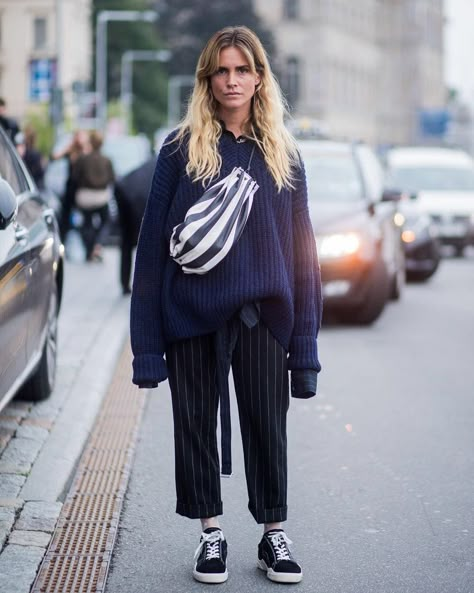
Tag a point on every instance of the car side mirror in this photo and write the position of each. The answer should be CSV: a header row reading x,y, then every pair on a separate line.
x,y
8,205
392,195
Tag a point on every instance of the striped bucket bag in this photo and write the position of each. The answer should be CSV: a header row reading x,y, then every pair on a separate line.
x,y
214,223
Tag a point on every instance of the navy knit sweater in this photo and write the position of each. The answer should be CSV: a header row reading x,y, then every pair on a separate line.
x,y
273,263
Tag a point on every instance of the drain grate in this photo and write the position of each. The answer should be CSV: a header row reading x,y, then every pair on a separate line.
x,y
79,554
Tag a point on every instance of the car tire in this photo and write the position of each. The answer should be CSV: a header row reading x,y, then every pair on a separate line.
x,y
41,383
398,280
375,301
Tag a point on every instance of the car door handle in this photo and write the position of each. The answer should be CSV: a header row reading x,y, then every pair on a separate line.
x,y
48,216
21,233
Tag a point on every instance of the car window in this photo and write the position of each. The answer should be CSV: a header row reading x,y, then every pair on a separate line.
x,y
415,179
10,170
372,172
332,177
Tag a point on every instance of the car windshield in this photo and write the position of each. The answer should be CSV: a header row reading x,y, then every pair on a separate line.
x,y
412,180
332,177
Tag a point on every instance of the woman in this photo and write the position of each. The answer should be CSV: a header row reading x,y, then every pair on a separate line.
x,y
94,175
78,146
260,306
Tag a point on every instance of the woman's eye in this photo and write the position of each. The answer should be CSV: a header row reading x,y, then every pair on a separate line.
x,y
221,71
244,70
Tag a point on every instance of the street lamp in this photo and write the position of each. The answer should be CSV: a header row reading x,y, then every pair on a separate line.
x,y
126,77
103,17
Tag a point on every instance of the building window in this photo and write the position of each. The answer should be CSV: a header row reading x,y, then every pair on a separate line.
x,y
292,81
39,33
291,9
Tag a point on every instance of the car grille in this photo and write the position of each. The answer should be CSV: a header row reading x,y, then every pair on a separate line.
x,y
446,218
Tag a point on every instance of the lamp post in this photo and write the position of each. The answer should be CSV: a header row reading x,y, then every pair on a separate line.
x,y
103,17
126,76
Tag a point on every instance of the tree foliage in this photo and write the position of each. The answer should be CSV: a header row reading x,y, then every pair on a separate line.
x,y
149,78
186,25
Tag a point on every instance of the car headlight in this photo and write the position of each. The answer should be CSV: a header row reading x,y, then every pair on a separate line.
x,y
339,245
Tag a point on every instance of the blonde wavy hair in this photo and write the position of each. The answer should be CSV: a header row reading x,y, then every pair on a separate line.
x,y
265,125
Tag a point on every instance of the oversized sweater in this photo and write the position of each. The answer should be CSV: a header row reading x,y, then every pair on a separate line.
x,y
274,263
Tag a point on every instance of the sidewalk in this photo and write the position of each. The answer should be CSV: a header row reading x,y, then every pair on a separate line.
x,y
40,443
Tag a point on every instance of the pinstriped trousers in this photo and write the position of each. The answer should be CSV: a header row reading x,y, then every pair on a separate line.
x,y
260,372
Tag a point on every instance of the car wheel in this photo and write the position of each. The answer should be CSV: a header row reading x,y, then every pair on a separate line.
x,y
40,385
398,280
377,296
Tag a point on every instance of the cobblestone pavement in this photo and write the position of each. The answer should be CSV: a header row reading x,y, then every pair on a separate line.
x,y
40,443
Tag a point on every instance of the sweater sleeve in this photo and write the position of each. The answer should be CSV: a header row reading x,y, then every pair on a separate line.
x,y
146,327
303,353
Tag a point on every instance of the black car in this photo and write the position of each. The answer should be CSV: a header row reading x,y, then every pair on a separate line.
x,y
421,242
31,281
355,224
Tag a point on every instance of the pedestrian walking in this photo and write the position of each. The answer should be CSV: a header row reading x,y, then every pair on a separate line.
x,y
78,146
227,275
93,175
131,194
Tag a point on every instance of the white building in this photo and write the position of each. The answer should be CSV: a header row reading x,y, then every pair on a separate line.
x,y
32,35
365,68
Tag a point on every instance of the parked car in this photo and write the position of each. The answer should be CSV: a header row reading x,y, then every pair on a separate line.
x,y
31,283
441,180
358,239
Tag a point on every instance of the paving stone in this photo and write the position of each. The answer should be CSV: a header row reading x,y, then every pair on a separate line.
x,y
21,407
7,467
39,516
10,485
10,418
18,567
42,421
7,513
29,538
36,433
7,518
12,503
21,452
6,433
44,409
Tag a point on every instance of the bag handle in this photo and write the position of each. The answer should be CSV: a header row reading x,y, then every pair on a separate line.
x,y
250,160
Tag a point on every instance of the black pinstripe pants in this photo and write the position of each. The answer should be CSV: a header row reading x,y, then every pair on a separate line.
x,y
260,371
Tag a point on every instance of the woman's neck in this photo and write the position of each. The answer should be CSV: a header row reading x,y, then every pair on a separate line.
x,y
235,122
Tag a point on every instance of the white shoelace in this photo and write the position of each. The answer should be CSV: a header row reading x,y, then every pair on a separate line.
x,y
211,541
280,542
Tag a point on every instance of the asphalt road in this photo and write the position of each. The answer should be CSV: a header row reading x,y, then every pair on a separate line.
x,y
381,465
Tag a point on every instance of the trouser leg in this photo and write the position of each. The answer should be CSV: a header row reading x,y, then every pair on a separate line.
x,y
192,378
260,371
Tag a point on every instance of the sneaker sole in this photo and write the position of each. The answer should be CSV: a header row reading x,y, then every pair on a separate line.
x,y
279,577
212,578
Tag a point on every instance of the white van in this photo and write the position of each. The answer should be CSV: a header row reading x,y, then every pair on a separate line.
x,y
442,181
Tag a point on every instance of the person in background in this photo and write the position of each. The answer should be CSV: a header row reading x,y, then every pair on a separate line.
x,y
25,144
131,193
8,123
256,308
78,146
93,175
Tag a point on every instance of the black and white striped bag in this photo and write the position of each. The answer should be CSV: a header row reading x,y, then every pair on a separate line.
x,y
214,223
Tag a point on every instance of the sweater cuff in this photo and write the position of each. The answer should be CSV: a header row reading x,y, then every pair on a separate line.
x,y
303,353
149,368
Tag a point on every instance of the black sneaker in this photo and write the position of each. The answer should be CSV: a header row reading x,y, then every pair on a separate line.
x,y
275,557
211,556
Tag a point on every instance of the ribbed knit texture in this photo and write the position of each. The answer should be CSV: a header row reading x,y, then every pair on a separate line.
x,y
273,263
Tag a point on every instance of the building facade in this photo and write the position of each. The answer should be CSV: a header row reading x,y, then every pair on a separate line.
x,y
365,69
33,33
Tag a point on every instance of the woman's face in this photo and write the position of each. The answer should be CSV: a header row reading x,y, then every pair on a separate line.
x,y
233,84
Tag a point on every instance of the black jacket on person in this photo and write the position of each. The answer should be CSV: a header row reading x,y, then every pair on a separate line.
x,y
131,193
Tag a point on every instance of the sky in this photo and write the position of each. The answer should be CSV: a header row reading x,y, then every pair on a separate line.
x,y
459,47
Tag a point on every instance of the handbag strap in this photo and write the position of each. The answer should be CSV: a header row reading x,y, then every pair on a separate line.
x,y
250,159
